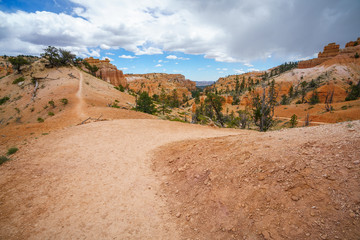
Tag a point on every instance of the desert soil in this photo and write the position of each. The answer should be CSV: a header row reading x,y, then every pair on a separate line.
x,y
139,178
301,183
92,181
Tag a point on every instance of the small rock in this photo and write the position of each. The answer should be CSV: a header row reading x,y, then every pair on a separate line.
x,y
352,215
357,162
261,177
323,236
178,215
307,234
295,198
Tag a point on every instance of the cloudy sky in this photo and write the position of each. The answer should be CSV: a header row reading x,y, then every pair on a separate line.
x,y
202,39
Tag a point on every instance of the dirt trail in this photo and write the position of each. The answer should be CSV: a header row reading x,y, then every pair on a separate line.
x,y
92,181
300,121
79,95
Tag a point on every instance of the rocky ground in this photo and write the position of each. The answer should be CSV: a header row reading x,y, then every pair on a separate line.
x,y
301,183
130,176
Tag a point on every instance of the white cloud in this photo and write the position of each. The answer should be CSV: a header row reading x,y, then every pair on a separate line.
x,y
111,60
224,69
109,53
95,53
124,68
158,65
152,27
253,70
239,71
127,56
160,61
172,57
248,65
104,46
148,51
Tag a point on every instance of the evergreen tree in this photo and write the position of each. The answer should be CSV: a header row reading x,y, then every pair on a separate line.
x,y
293,121
216,102
145,104
263,108
291,91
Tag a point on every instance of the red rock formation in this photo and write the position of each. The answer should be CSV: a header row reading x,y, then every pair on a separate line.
x,y
353,43
5,67
153,83
331,54
331,50
108,72
310,63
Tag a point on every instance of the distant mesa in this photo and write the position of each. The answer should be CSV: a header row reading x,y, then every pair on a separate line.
x,y
153,83
330,51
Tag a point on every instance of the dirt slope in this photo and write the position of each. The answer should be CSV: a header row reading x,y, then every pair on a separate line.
x,y
91,181
87,97
301,183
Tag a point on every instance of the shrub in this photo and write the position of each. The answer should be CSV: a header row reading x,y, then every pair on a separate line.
x,y
120,88
314,99
51,113
298,102
284,100
356,55
4,100
354,92
20,79
52,103
3,159
12,150
17,62
40,120
64,101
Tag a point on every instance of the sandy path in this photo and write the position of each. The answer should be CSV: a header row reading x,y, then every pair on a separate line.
x,y
301,121
92,181
80,105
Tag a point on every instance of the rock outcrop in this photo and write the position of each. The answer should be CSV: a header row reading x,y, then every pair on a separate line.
x,y
108,72
353,43
5,67
332,51
154,83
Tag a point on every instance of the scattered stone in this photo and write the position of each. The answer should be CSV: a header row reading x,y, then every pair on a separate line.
x,y
295,198
352,215
261,177
357,162
323,236
178,215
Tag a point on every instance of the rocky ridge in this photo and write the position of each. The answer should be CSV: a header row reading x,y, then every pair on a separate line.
x,y
154,83
330,51
108,72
